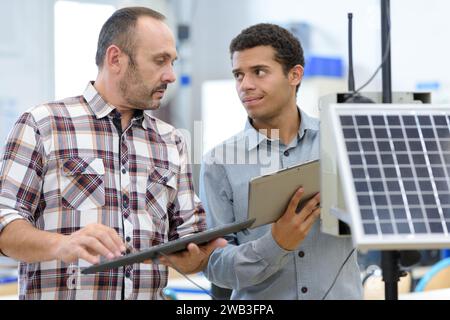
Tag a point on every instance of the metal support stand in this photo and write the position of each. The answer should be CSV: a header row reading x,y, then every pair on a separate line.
x,y
390,264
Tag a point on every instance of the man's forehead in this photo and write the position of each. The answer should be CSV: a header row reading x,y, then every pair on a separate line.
x,y
151,23
149,28
257,56
156,37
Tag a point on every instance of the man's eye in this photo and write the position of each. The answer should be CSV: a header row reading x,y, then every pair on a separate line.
x,y
260,72
238,76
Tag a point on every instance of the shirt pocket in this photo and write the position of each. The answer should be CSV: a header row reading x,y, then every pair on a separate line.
x,y
82,183
161,190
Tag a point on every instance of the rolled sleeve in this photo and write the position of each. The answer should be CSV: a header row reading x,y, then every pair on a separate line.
x,y
21,173
7,216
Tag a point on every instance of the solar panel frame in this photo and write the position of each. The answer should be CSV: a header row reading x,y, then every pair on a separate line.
x,y
400,237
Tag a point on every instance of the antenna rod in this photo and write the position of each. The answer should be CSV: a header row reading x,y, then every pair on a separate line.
x,y
351,78
386,50
389,259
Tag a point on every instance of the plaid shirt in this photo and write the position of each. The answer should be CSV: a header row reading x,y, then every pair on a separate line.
x,y
66,165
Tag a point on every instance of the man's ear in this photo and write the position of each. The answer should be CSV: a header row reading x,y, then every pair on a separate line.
x,y
296,75
114,59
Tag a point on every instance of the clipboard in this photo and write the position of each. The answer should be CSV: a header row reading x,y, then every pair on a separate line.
x,y
269,195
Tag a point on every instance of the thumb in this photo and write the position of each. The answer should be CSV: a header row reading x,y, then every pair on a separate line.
x,y
209,247
193,248
219,243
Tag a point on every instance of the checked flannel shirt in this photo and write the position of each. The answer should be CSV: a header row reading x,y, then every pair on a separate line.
x,y
66,165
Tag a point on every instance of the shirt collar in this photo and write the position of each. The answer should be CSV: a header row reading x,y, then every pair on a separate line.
x,y
255,138
307,123
148,121
101,108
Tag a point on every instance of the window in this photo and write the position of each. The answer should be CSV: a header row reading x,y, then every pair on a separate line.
x,y
77,26
223,114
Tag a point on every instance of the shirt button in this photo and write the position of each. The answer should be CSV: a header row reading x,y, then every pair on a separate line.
x,y
124,171
125,202
128,239
304,290
128,274
286,153
128,251
301,254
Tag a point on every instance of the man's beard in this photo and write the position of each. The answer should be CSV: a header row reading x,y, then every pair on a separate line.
x,y
135,93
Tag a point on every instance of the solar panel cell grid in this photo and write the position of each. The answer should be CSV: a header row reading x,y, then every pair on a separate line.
x,y
400,166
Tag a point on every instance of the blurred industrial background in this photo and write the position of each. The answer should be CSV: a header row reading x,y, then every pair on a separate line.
x,y
47,50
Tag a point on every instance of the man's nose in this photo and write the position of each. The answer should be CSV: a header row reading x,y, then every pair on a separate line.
x,y
169,76
246,84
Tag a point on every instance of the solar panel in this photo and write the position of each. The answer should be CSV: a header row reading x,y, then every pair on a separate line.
x,y
394,162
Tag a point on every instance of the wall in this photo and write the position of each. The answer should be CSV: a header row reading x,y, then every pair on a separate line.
x,y
26,57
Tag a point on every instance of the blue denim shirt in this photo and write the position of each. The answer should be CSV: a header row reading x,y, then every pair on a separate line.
x,y
253,264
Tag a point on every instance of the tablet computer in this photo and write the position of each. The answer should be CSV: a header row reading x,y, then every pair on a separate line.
x,y
269,195
170,247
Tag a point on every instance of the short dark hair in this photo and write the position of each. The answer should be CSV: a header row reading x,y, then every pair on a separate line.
x,y
288,50
119,30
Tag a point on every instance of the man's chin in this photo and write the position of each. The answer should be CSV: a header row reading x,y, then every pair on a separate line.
x,y
155,105
254,113
148,105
